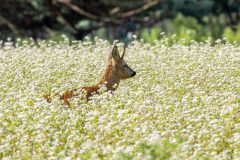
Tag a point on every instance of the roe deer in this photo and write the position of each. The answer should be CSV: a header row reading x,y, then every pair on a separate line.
x,y
116,70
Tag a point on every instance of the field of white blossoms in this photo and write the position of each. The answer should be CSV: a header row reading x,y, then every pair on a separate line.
x,y
184,102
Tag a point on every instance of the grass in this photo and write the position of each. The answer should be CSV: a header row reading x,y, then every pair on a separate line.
x,y
184,102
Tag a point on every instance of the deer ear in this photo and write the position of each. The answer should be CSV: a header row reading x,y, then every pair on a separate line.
x,y
124,50
115,53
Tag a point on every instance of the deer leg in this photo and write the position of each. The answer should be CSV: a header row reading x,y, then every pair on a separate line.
x,y
47,97
66,102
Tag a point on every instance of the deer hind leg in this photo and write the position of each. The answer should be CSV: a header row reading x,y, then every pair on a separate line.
x,y
66,96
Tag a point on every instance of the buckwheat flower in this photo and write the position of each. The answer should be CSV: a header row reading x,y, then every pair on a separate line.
x,y
181,91
134,36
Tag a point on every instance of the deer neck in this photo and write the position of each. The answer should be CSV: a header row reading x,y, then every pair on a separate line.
x,y
110,78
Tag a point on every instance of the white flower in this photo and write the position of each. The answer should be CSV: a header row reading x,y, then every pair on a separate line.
x,y
181,92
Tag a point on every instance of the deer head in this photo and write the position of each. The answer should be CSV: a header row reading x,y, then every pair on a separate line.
x,y
119,66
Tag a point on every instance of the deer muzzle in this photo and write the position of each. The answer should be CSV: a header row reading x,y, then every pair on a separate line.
x,y
134,73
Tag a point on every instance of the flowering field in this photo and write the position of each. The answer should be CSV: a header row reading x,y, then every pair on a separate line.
x,y
184,102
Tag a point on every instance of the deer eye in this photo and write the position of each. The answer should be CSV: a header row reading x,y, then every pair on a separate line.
x,y
124,65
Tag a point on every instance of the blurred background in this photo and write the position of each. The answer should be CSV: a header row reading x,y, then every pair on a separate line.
x,y
120,19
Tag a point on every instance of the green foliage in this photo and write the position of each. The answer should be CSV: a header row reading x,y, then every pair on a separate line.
x,y
161,149
185,29
232,36
57,37
83,24
150,35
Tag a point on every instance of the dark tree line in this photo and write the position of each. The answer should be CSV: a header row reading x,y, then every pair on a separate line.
x,y
39,18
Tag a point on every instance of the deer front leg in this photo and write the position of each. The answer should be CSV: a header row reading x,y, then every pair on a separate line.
x,y
66,102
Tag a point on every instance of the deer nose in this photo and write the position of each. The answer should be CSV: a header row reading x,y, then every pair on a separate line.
x,y
134,73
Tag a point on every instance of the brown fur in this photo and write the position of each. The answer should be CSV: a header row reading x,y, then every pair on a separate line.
x,y
111,78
